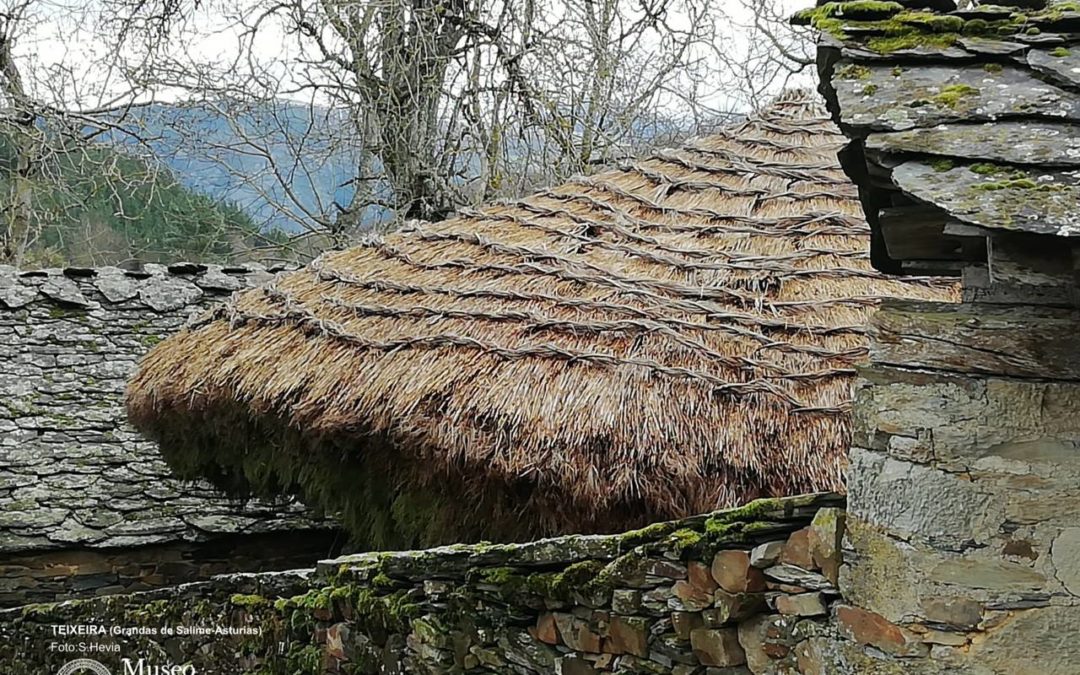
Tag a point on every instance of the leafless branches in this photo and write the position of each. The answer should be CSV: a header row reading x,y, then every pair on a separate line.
x,y
439,104
411,108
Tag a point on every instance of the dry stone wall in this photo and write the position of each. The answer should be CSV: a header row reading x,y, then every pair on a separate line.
x,y
962,518
736,592
73,475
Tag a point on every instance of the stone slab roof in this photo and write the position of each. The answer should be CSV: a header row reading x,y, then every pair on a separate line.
x,y
971,112
72,472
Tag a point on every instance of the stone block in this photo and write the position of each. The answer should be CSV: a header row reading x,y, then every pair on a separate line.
x,y
717,646
1039,641
752,635
731,607
576,633
874,630
684,622
665,568
765,555
690,597
885,574
1065,554
797,578
942,637
732,572
700,576
957,421
545,629
826,537
796,550
958,613
572,665
802,604
811,657
912,500
628,635
625,601
994,575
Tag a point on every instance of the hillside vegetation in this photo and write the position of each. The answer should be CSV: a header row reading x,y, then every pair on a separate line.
x,y
100,206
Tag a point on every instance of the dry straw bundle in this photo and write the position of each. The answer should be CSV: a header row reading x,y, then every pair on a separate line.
x,y
661,339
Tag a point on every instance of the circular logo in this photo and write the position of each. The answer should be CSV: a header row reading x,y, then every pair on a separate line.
x,y
83,665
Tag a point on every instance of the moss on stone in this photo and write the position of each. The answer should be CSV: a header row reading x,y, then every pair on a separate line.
x,y
685,541
952,95
930,22
306,660
758,509
578,577
647,534
499,576
382,581
910,40
622,569
893,28
1059,52
1055,12
976,27
853,71
993,67
1018,184
987,169
856,11
249,601
869,90
942,164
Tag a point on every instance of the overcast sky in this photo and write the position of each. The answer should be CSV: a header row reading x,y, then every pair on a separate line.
x,y
62,50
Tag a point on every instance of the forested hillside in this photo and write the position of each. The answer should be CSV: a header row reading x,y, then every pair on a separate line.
x,y
100,206
275,160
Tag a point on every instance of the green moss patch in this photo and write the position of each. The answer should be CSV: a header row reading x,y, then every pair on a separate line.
x,y
891,28
952,95
860,10
1018,184
853,71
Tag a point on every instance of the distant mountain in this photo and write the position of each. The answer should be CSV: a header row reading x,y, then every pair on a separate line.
x,y
279,153
266,160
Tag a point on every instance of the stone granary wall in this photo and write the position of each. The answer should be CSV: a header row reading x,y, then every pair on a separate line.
x,y
962,487
86,505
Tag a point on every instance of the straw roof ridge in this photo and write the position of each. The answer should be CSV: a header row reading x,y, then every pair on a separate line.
x,y
667,337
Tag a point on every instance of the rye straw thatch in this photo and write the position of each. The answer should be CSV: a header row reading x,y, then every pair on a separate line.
x,y
666,338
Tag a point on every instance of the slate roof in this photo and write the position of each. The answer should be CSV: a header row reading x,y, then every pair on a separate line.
x,y
73,473
967,116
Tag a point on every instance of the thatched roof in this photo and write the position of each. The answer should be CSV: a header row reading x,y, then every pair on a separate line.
x,y
669,337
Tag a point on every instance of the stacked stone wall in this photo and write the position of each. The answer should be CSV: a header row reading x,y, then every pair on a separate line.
x,y
739,591
73,475
81,572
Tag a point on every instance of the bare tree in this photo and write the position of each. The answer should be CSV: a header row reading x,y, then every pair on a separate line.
x,y
79,181
769,53
47,111
413,108
442,103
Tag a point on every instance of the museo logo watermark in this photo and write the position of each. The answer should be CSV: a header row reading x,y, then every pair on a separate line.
x,y
83,666
128,667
